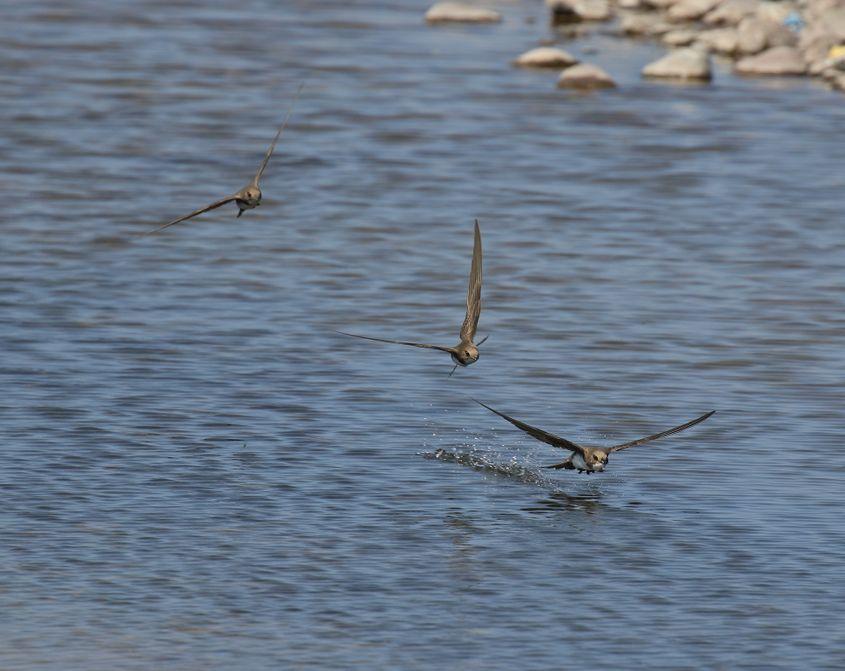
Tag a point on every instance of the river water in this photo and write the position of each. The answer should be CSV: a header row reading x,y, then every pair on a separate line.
x,y
199,473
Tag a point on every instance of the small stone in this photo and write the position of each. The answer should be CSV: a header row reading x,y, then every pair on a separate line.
x,y
690,10
575,11
630,4
751,35
682,64
818,53
679,38
775,61
585,76
730,12
776,12
719,40
546,57
779,35
644,24
662,4
834,20
458,12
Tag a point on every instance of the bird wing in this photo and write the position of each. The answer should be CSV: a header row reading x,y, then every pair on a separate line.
x,y
662,434
272,146
474,290
539,434
400,342
213,206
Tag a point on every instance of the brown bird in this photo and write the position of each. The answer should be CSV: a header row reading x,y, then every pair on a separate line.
x,y
589,459
466,351
248,197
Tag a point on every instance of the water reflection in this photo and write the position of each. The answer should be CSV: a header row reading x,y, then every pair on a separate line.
x,y
589,502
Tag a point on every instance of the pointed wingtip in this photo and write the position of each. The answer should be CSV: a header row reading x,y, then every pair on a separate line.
x,y
483,405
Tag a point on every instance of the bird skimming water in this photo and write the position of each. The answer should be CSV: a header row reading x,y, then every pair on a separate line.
x,y
589,459
250,196
466,351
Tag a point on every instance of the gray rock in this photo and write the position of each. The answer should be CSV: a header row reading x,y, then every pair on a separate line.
x,y
546,57
719,40
459,12
585,76
682,64
775,61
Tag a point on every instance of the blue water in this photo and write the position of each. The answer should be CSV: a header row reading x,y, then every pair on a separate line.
x,y
199,473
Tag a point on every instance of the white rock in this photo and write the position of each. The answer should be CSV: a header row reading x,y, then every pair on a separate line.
x,y
679,38
730,12
690,10
719,40
775,61
448,12
585,76
630,4
546,57
682,64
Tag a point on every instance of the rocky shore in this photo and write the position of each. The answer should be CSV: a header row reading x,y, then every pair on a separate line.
x,y
761,37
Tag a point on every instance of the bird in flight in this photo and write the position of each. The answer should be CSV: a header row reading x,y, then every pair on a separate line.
x,y
248,197
466,351
589,459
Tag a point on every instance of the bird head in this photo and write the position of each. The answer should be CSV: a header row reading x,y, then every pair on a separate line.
x,y
251,195
596,459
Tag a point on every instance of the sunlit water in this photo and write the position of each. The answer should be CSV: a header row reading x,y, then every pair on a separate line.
x,y
198,473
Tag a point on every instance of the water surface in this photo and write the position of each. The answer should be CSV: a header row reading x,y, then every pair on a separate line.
x,y
199,473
